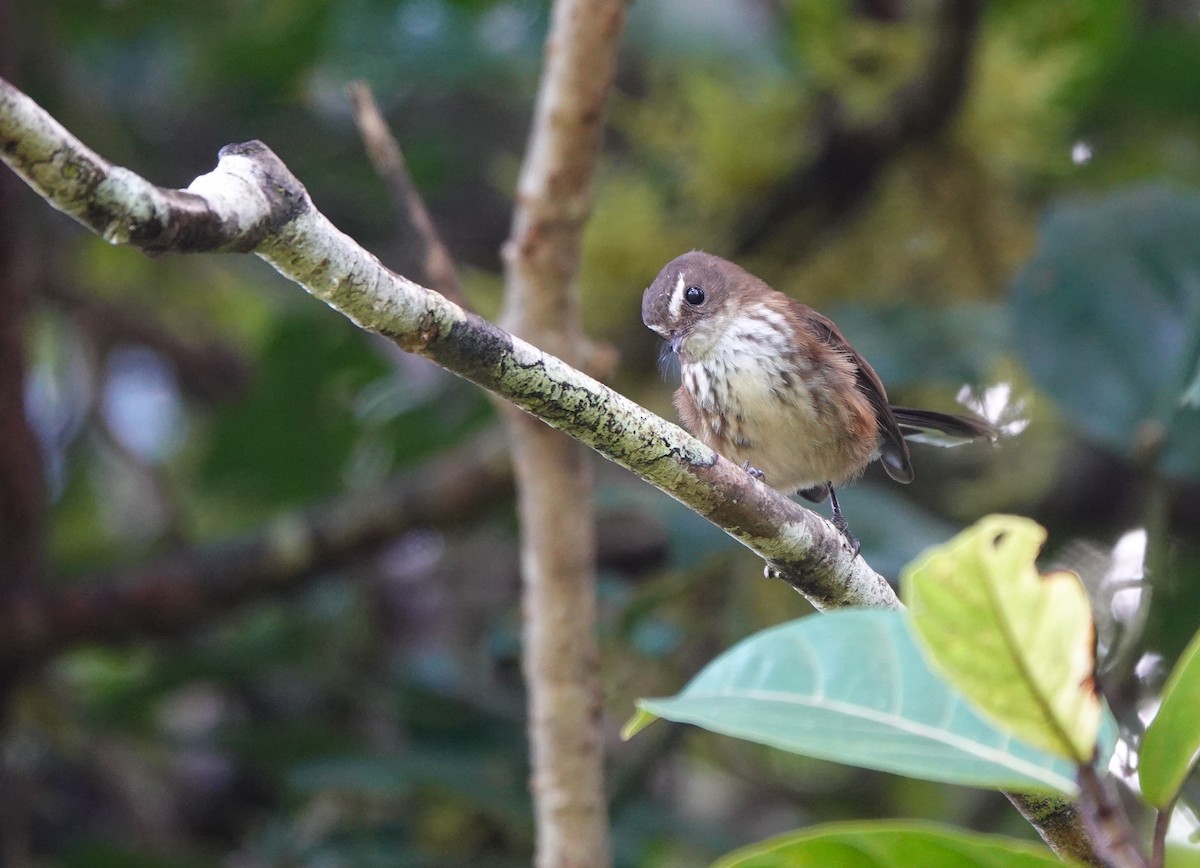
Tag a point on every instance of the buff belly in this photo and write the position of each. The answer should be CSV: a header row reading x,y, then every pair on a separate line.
x,y
775,418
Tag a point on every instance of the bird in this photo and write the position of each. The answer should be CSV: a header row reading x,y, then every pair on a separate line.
x,y
773,385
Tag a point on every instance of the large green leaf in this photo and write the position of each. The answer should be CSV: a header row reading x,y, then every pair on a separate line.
x,y
1172,742
1108,314
1019,644
889,844
853,687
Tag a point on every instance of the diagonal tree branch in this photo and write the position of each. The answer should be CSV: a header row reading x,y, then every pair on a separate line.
x,y
252,203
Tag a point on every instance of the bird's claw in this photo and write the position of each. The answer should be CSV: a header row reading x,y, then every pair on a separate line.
x,y
839,522
753,471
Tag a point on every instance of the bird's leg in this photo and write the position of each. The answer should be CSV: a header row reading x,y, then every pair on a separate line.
x,y
753,471
839,521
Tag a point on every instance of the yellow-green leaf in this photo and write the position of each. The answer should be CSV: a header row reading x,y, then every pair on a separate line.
x,y
1019,645
1172,741
640,720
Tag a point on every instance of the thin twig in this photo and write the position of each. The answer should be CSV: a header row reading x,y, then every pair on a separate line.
x,y
436,266
1158,846
1108,825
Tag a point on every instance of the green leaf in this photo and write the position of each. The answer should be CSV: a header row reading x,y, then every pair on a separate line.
x,y
889,844
1172,742
1108,314
852,686
1020,645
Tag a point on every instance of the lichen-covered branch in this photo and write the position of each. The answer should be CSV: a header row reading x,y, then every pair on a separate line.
x,y
251,202
1058,821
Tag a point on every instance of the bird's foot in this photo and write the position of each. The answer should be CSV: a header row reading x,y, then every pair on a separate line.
x,y
754,471
839,521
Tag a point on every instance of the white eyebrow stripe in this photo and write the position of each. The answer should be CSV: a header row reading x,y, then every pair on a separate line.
x,y
676,298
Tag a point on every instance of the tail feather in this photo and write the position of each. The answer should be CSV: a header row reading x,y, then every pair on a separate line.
x,y
941,429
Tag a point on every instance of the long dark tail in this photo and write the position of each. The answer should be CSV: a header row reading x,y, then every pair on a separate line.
x,y
941,429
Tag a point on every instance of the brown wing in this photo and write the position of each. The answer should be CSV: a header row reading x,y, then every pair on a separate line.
x,y
893,450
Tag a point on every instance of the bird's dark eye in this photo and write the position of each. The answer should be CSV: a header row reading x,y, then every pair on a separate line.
x,y
694,295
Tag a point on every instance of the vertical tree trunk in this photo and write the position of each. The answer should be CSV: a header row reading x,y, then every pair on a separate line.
x,y
22,488
22,485
553,472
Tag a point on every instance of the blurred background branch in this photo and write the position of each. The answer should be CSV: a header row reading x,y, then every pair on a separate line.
x,y
191,587
852,154
432,264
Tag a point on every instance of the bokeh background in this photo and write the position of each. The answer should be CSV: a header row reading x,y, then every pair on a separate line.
x,y
999,210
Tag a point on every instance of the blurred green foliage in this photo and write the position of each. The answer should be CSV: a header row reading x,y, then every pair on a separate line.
x,y
1108,314
376,716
